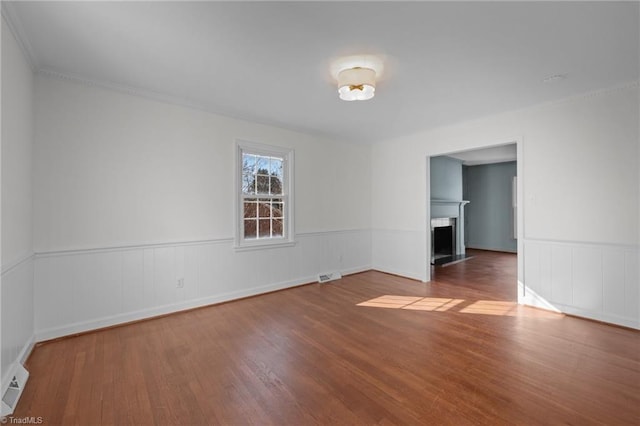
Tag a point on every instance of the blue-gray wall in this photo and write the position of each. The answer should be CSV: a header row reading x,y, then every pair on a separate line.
x,y
446,178
488,216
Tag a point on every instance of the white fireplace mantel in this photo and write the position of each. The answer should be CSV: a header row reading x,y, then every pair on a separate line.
x,y
451,208
447,208
435,201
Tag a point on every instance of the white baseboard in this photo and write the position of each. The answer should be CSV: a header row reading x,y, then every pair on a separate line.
x,y
489,248
599,316
26,350
18,337
357,270
98,323
401,273
81,327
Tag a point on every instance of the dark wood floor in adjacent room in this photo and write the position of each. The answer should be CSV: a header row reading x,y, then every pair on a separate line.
x,y
371,348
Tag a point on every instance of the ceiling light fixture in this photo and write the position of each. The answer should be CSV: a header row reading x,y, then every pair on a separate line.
x,y
356,84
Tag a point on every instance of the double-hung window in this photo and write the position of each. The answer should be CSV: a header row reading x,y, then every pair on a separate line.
x,y
264,214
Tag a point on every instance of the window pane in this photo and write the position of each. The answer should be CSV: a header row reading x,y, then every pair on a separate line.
x,y
250,228
276,185
264,208
275,167
262,165
250,209
262,186
248,173
248,164
248,184
277,208
276,226
264,228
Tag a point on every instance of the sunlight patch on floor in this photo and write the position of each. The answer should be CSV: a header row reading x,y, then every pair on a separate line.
x,y
433,304
491,307
439,304
411,302
395,302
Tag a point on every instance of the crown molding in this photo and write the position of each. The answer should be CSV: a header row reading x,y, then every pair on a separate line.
x,y
7,9
155,96
605,91
122,88
184,102
147,94
592,94
635,84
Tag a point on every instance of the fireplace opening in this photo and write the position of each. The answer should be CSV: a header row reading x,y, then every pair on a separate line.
x,y
443,241
443,237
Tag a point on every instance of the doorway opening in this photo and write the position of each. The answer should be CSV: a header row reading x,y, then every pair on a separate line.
x,y
473,200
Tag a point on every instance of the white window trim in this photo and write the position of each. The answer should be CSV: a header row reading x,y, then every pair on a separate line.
x,y
267,150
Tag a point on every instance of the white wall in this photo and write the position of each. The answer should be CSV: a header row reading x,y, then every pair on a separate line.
x,y
17,143
16,310
114,169
125,185
579,181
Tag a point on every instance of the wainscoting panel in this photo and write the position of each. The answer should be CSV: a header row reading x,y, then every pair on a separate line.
x,y
17,315
135,294
561,278
77,291
613,272
597,281
97,285
632,285
400,252
588,283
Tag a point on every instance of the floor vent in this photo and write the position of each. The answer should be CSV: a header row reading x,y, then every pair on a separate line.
x,y
332,276
12,393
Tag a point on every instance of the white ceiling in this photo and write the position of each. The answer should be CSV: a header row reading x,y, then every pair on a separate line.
x,y
270,62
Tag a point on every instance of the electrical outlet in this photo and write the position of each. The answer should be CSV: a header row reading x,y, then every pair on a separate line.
x,y
180,283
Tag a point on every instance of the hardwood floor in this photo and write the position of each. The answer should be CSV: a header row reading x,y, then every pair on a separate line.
x,y
371,348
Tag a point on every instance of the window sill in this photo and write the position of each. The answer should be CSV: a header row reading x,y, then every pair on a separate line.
x,y
263,245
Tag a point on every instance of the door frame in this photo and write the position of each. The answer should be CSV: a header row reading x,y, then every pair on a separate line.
x,y
520,213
